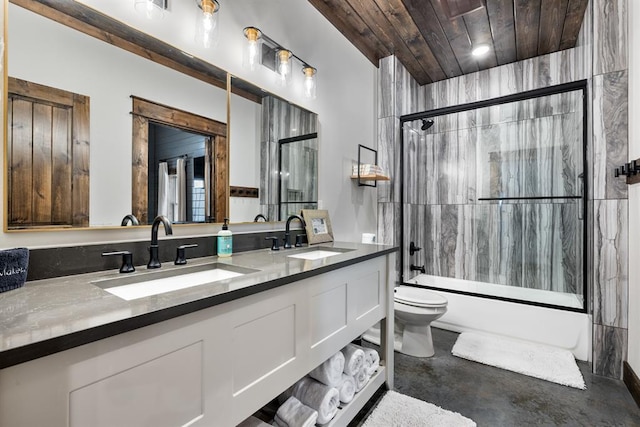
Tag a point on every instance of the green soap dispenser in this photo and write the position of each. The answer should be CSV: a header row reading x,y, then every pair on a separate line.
x,y
225,240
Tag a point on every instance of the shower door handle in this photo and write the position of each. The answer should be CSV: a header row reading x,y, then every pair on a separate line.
x,y
581,200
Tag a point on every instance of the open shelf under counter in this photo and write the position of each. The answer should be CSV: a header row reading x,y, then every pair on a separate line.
x,y
348,411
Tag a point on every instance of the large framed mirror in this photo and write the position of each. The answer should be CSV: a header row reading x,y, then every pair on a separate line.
x,y
259,121
48,45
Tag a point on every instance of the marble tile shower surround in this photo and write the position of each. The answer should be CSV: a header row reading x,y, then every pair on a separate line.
x,y
600,56
278,120
529,148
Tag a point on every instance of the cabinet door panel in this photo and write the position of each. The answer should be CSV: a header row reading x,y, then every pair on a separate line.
x,y
328,314
166,391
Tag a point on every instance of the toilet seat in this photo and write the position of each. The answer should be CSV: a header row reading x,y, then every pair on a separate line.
x,y
417,297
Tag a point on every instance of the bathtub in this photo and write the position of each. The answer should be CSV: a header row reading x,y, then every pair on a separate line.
x,y
556,327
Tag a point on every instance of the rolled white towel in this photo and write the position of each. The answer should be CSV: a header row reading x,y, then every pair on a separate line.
x,y
371,359
347,388
353,359
330,371
253,422
322,398
361,378
293,413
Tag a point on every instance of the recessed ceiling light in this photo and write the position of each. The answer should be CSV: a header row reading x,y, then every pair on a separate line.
x,y
480,50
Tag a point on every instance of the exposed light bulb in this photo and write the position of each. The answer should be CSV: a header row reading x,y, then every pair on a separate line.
x,y
206,22
309,82
252,51
284,66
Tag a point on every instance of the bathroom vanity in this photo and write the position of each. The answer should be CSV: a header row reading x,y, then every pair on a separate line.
x,y
74,353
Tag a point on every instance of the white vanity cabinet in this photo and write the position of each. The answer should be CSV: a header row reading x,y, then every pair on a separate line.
x,y
213,367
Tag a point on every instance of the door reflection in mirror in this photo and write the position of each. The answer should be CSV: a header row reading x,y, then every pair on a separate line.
x,y
298,166
177,179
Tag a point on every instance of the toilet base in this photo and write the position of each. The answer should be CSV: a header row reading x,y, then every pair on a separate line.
x,y
416,341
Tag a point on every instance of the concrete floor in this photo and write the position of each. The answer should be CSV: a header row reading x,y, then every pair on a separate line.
x,y
496,397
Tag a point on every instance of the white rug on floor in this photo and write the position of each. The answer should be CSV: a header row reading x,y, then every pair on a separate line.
x,y
399,410
536,360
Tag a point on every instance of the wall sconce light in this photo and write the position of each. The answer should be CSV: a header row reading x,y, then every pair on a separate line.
x,y
207,22
152,9
260,49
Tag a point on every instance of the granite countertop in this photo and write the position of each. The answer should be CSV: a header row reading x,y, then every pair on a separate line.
x,y
51,315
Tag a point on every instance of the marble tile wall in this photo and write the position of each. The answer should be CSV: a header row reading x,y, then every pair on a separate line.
x,y
600,57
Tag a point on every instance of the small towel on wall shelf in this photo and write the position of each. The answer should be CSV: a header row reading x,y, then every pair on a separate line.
x,y
14,264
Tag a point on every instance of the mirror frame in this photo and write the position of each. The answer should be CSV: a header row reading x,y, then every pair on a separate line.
x,y
91,22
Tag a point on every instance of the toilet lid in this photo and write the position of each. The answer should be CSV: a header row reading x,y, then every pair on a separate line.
x,y
418,297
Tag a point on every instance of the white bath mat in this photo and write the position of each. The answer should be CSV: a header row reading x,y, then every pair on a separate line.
x,y
399,410
536,360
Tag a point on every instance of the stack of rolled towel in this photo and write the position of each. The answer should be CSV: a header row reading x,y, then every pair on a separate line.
x,y
360,364
316,397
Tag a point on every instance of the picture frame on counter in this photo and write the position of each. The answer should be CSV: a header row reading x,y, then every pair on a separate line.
x,y
317,226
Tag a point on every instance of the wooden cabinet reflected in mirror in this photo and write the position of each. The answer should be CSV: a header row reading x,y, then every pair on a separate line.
x,y
179,158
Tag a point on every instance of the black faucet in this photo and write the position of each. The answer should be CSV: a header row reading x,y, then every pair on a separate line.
x,y
260,216
129,218
419,268
287,243
153,248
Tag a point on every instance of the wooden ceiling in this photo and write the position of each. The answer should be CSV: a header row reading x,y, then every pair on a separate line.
x,y
433,38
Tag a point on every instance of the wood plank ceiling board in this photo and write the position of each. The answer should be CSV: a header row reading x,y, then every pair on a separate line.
x,y
552,17
458,37
572,23
433,39
502,30
527,17
429,26
349,23
477,23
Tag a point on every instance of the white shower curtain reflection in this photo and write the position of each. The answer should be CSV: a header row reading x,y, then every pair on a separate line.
x,y
163,189
180,210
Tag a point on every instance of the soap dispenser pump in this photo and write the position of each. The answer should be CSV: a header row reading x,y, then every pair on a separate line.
x,y
225,240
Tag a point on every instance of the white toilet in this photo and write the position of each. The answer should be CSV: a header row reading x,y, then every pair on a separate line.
x,y
415,309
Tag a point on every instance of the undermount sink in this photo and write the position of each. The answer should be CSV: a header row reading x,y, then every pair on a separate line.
x,y
319,253
161,281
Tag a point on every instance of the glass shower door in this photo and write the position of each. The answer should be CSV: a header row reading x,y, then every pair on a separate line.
x,y
495,196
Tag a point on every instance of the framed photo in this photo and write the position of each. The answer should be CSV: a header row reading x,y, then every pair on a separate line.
x,y
317,225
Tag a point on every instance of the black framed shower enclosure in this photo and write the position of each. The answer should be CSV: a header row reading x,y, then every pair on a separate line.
x,y
503,183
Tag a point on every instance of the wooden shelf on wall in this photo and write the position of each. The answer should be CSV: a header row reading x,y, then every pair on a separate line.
x,y
371,177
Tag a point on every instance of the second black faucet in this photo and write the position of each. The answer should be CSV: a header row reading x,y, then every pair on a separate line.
x,y
154,262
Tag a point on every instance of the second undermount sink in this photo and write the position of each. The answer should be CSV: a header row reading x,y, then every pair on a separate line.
x,y
161,281
319,253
